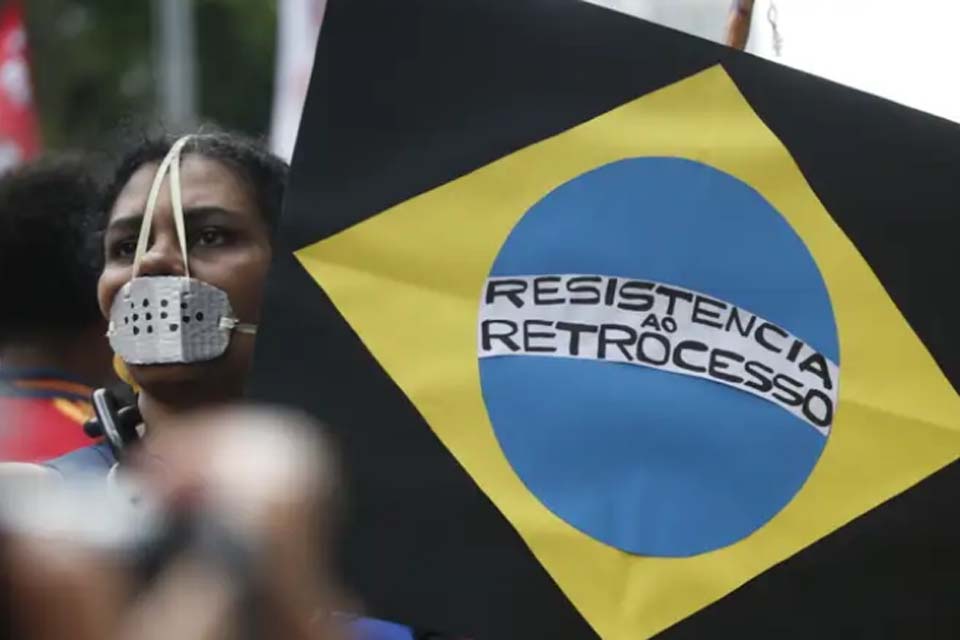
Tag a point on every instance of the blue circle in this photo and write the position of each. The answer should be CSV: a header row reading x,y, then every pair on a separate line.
x,y
644,460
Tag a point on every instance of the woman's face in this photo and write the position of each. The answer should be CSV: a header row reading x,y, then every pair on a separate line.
x,y
228,245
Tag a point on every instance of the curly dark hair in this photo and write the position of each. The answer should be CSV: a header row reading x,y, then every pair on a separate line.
x,y
46,210
266,173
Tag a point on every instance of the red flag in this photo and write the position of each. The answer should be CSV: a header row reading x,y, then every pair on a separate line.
x,y
19,134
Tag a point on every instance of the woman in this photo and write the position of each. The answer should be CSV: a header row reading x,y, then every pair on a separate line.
x,y
187,245
231,191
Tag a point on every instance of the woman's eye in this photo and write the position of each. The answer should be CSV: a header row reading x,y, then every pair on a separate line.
x,y
123,248
211,237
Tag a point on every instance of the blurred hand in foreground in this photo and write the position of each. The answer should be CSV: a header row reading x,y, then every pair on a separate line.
x,y
245,498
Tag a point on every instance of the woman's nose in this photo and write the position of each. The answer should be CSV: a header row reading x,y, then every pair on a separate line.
x,y
162,257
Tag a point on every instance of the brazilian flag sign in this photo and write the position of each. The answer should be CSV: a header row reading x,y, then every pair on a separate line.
x,y
621,332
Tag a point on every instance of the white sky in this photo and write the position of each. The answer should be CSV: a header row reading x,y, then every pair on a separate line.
x,y
904,50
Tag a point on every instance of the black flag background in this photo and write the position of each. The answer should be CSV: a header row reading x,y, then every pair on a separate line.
x,y
407,95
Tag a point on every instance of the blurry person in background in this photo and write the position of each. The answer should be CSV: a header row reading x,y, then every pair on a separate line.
x,y
248,498
53,350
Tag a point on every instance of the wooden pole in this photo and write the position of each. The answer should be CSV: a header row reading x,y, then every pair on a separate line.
x,y
738,26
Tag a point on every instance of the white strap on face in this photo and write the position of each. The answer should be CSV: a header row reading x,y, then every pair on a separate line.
x,y
232,324
170,163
